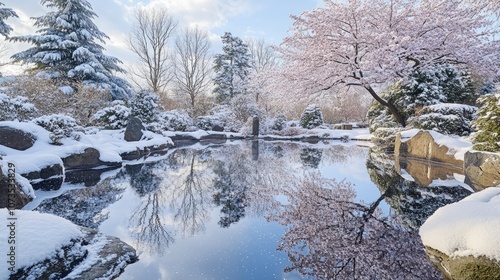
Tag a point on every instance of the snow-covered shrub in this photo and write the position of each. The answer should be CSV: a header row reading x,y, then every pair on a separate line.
x,y
145,106
59,126
311,117
446,118
17,108
278,123
208,122
113,117
487,135
173,120
439,84
386,135
222,116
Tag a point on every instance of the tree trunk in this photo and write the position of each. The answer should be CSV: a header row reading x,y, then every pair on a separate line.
x,y
392,108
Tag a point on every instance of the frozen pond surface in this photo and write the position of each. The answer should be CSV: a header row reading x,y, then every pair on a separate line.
x,y
261,210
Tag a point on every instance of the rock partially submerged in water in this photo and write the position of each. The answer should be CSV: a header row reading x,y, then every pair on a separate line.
x,y
482,169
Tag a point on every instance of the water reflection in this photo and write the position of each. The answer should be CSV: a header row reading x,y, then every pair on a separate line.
x,y
331,236
324,231
414,202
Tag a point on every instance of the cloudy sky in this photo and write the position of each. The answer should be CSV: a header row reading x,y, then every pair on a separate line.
x,y
266,19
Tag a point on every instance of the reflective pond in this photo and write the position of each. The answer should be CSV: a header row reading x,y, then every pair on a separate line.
x,y
264,210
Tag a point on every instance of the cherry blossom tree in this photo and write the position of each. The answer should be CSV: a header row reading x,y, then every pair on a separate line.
x,y
369,44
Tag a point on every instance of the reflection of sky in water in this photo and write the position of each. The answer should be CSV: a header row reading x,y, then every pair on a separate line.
x,y
244,250
177,195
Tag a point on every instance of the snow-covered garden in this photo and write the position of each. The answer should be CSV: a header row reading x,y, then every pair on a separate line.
x,y
425,81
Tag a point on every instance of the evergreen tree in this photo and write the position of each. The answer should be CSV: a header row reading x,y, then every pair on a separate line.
x,y
67,48
487,136
231,68
5,13
145,106
311,117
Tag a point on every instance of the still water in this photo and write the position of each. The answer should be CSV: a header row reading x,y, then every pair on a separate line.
x,y
262,210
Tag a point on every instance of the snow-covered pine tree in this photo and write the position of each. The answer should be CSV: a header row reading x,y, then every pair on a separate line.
x,y
231,68
311,117
67,48
5,13
145,106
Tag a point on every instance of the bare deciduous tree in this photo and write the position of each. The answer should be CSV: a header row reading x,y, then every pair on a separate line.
x,y
149,39
262,55
193,65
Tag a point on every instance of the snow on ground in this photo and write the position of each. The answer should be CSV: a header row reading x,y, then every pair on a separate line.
x,y
468,227
34,239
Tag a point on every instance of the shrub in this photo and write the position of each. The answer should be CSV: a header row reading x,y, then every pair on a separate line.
x,y
79,101
113,117
311,117
386,135
173,120
17,108
278,123
446,118
487,135
59,125
145,106
208,122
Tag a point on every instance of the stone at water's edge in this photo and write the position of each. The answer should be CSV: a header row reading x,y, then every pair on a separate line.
x,y
16,139
88,159
133,131
423,146
464,268
113,256
482,170
48,178
18,197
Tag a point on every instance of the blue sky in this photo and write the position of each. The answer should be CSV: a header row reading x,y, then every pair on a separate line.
x,y
266,19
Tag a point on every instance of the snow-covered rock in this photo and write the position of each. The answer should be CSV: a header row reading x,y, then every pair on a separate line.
x,y
464,235
44,246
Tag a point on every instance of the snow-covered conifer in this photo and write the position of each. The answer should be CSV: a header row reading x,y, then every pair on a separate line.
x,y
231,68
113,117
487,135
311,117
145,106
5,13
67,47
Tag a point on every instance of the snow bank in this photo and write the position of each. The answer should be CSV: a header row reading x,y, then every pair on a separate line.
x,y
468,227
37,236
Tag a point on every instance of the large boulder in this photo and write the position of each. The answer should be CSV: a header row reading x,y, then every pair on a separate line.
x,y
88,159
133,131
423,146
482,169
15,138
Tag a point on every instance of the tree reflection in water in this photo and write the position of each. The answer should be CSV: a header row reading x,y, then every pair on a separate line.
x,y
330,236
